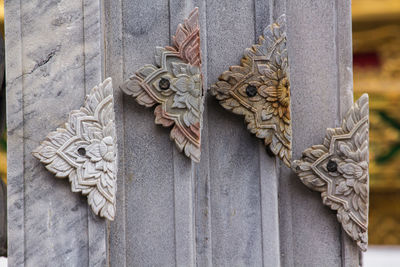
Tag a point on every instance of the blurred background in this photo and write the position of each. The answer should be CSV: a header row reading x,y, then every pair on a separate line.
x,y
376,48
376,60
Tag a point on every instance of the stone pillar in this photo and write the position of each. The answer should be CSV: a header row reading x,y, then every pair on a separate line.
x,y
238,206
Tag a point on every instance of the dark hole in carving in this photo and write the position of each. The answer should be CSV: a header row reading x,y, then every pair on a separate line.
x,y
164,84
251,90
82,151
331,166
269,151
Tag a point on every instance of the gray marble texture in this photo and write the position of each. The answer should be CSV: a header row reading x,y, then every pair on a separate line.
x,y
238,206
53,58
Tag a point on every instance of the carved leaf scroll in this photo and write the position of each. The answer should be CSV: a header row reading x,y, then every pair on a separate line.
x,y
339,170
259,89
174,84
85,150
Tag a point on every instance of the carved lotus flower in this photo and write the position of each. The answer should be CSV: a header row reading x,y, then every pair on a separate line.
x,y
276,90
187,94
102,153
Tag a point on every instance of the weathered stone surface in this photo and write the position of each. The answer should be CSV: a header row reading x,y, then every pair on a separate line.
x,y
338,168
53,59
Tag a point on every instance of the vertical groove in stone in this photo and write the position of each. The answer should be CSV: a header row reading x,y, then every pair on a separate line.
x,y
286,235
122,154
183,210
233,150
314,63
114,67
202,206
268,176
92,67
344,55
148,157
350,251
15,137
182,168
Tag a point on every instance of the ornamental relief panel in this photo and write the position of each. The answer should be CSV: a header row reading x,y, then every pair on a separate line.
x,y
174,86
85,150
338,169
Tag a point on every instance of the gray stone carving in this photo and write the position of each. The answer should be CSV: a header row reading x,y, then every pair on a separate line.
x,y
85,150
339,170
175,83
259,89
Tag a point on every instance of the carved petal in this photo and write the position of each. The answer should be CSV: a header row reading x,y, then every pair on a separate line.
x,y
175,85
85,150
264,70
339,170
187,39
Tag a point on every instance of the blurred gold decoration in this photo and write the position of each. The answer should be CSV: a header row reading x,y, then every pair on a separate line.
x,y
382,83
2,17
3,166
384,141
384,228
368,10
376,46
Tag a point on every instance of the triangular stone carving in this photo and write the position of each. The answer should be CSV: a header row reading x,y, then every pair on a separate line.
x,y
85,150
174,84
259,89
339,170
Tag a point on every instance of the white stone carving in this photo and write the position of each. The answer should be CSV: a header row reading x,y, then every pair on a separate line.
x,y
339,170
85,150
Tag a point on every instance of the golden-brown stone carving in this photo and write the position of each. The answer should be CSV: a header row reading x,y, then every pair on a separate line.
x,y
259,89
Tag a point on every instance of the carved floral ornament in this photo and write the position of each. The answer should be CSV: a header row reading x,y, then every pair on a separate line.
x,y
174,84
339,170
259,89
85,150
